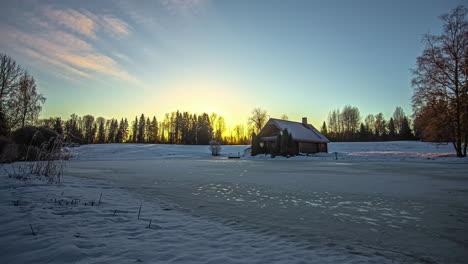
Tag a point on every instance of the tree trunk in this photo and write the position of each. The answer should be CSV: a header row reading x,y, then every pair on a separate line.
x,y
465,122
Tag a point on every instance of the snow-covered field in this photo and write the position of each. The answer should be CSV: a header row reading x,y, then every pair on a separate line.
x,y
390,150
69,228
388,202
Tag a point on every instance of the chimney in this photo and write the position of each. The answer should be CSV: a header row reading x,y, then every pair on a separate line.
x,y
304,121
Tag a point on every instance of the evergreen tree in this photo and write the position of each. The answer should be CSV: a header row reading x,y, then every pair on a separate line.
x,y
101,130
125,134
89,129
363,133
204,129
285,142
406,133
141,129
391,130
324,129
135,130
255,149
114,126
119,137
153,133
277,147
147,130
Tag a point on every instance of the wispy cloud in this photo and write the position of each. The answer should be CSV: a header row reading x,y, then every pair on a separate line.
x,y
115,26
95,62
68,51
73,20
36,55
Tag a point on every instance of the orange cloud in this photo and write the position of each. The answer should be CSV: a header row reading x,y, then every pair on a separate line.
x,y
98,63
33,54
73,20
63,50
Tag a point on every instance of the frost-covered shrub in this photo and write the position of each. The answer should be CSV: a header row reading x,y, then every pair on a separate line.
x,y
215,147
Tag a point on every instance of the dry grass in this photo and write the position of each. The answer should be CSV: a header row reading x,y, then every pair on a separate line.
x,y
49,160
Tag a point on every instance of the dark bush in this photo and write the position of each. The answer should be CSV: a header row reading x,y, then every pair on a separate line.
x,y
4,141
34,136
29,140
47,133
8,150
28,135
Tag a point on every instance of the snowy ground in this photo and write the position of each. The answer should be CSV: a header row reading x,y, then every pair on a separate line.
x,y
390,150
371,208
69,228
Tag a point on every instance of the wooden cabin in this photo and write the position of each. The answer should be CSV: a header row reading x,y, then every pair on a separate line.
x,y
306,138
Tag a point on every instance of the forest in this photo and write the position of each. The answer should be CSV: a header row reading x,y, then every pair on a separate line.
x,y
440,107
347,125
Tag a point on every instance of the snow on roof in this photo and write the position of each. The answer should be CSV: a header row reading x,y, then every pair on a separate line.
x,y
299,131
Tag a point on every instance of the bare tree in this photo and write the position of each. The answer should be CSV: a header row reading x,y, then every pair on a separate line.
x,y
334,123
440,77
220,127
350,118
28,102
398,119
380,125
240,133
370,123
9,77
258,119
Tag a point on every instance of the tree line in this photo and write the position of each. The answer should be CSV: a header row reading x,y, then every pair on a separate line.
x,y
347,125
176,128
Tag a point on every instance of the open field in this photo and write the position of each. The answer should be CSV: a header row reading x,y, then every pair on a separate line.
x,y
370,209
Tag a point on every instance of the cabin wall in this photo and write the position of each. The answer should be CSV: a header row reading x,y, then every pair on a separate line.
x,y
306,147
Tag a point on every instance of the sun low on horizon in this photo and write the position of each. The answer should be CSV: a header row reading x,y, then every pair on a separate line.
x,y
122,58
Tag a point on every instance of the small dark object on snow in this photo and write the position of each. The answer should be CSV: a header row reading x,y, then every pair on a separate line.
x,y
139,211
32,230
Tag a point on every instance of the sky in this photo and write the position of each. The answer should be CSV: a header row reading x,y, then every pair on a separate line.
x,y
117,58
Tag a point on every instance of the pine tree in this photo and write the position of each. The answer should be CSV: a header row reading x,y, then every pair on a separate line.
x,y
363,133
284,142
119,136
101,130
324,129
135,130
255,149
141,129
153,133
114,126
277,147
406,133
391,129
147,130
125,134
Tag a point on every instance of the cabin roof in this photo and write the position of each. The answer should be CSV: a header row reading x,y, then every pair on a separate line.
x,y
299,131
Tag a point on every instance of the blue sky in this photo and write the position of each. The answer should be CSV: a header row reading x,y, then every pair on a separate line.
x,y
300,58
